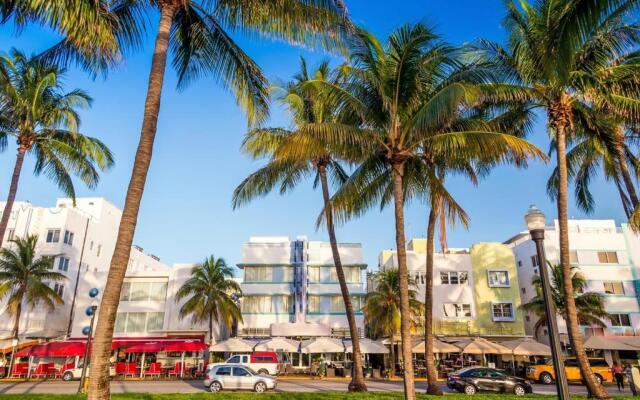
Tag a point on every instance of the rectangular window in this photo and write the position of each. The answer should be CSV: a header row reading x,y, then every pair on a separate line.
x,y
158,291
620,320
68,238
502,311
58,288
357,302
498,278
99,250
125,292
258,274
63,263
534,261
607,257
314,274
457,310
573,257
613,288
121,323
256,304
352,274
139,291
283,304
155,321
287,274
53,235
524,290
453,278
337,304
313,304
11,234
136,322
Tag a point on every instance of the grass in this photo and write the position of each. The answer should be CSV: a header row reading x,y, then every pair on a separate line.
x,y
275,396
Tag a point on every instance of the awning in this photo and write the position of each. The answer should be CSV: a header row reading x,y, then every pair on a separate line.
x,y
609,343
233,345
187,345
322,345
527,347
149,347
367,346
299,329
54,349
438,347
278,344
6,345
481,346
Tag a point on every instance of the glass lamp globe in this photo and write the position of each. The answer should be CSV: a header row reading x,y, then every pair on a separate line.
x,y
534,218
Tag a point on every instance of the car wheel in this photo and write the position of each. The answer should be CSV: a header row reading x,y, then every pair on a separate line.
x,y
470,390
518,390
67,376
263,372
546,378
215,387
599,379
260,387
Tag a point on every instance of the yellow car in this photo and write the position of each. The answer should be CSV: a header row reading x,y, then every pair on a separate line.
x,y
544,372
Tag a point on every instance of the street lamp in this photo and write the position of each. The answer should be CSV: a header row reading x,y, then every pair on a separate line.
x,y
535,221
88,331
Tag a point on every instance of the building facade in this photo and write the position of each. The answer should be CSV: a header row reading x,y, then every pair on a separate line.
x,y
82,239
290,287
606,255
475,291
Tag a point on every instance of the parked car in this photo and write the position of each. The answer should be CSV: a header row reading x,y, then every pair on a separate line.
x,y
544,373
237,377
75,373
265,362
477,379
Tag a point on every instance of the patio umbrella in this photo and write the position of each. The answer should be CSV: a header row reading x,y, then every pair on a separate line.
x,y
481,346
438,347
278,344
527,347
368,346
233,345
322,345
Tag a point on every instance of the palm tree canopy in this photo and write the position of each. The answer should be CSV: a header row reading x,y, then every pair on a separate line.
x,y
382,305
590,305
44,121
25,277
210,293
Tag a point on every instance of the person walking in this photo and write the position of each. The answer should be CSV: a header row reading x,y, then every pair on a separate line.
x,y
629,372
617,374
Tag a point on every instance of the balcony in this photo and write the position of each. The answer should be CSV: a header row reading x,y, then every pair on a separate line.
x,y
608,331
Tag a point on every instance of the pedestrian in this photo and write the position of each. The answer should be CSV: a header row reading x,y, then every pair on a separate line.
x,y
617,374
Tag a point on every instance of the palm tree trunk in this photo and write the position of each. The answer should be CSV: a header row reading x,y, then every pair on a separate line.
x,y
624,168
16,322
99,372
210,329
357,382
623,198
572,315
432,374
13,189
405,317
392,367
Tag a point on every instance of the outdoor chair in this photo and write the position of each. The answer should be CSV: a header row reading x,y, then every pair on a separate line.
x,y
131,369
58,372
42,370
177,369
121,368
20,369
155,369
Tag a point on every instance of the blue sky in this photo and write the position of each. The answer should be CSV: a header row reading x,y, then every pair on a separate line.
x,y
186,211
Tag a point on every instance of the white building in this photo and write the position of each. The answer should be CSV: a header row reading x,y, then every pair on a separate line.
x,y
82,239
606,255
290,288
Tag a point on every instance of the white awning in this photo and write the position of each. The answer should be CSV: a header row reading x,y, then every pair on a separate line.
x,y
278,344
368,346
610,343
481,346
298,329
438,347
322,345
527,347
233,345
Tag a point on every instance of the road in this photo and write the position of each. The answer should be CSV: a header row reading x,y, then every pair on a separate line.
x,y
284,385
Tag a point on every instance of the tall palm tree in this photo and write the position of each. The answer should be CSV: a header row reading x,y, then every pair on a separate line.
x,y
565,57
409,100
306,156
590,305
25,279
382,307
44,121
210,295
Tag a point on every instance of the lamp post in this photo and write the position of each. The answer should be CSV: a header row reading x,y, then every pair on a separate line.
x,y
88,330
536,222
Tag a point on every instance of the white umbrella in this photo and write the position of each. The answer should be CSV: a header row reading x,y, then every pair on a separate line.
x,y
278,344
233,345
322,345
527,347
368,346
438,347
481,346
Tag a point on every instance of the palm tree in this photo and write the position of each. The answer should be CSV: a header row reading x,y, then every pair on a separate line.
x,y
25,278
590,305
409,101
44,121
210,295
305,156
382,307
565,57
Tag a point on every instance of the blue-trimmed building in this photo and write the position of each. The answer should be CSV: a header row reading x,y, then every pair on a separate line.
x,y
290,287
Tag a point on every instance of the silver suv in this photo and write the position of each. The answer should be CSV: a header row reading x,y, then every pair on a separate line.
x,y
235,377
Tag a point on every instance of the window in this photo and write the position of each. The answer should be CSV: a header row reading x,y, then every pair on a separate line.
x,y
225,371
453,278
136,321
534,261
457,310
613,288
607,257
99,250
313,304
63,263
53,235
524,290
143,291
91,245
155,321
238,371
68,237
283,304
234,360
121,323
158,291
256,304
620,320
502,311
337,304
519,263
58,288
258,274
573,257
126,289
498,278
12,232
314,274
527,318
328,274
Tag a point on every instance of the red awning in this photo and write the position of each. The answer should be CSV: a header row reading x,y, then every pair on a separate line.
x,y
185,346
54,349
149,347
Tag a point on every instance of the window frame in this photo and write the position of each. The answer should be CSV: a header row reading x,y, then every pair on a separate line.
x,y
505,271
607,254
618,320
503,318
68,237
53,235
461,309
612,285
458,275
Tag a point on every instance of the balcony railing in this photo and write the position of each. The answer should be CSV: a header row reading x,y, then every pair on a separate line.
x,y
608,331
468,328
